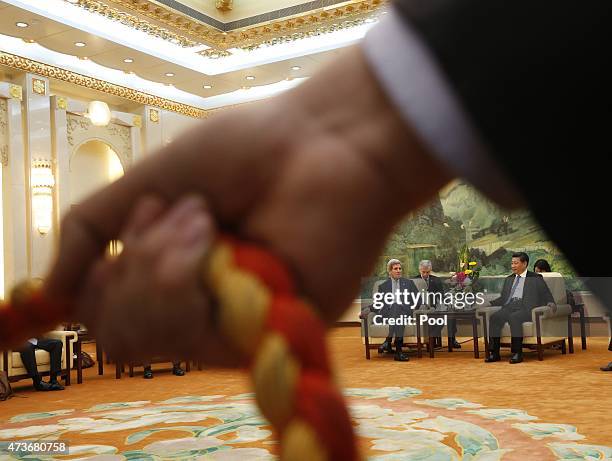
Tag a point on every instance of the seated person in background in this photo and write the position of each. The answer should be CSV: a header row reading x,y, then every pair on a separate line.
x,y
541,265
176,369
522,291
434,284
28,357
393,284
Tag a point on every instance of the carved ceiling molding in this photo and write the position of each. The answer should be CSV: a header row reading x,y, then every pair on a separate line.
x,y
199,32
45,70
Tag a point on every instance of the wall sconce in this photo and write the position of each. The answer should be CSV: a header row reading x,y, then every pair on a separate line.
x,y
99,113
42,183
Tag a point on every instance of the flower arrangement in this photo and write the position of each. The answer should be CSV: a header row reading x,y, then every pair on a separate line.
x,y
467,274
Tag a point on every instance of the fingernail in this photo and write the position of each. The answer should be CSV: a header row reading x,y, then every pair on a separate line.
x,y
196,228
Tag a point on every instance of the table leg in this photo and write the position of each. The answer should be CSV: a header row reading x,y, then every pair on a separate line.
x,y
100,358
418,331
582,327
475,337
68,353
431,347
118,367
79,349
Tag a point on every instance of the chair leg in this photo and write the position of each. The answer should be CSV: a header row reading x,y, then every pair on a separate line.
x,y
188,366
131,368
563,350
68,357
570,334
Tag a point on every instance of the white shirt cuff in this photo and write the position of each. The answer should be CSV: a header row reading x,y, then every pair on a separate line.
x,y
415,84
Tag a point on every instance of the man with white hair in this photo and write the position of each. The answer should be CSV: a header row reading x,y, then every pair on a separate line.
x,y
433,284
394,284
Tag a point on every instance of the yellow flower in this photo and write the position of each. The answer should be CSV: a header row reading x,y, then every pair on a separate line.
x,y
473,263
468,272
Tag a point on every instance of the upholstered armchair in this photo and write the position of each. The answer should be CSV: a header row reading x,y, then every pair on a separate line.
x,y
10,361
369,331
548,327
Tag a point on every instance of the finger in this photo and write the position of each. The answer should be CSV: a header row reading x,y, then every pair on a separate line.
x,y
146,211
176,222
181,263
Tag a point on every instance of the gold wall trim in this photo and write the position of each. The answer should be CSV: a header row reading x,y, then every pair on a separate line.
x,y
45,70
246,37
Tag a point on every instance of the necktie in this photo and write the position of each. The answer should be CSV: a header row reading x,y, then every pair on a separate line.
x,y
516,282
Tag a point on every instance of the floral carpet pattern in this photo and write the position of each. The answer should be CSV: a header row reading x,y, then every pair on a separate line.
x,y
392,423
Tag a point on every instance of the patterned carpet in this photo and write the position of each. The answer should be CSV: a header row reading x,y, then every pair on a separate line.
x,y
161,419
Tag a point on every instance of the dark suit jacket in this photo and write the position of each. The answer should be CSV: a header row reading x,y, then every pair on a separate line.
x,y
392,310
535,291
533,80
435,284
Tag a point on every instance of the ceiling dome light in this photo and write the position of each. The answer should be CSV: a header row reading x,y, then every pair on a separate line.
x,y
169,74
128,60
99,113
296,68
207,87
250,77
79,44
22,24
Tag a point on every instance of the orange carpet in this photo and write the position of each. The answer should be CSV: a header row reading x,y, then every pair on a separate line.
x,y
450,407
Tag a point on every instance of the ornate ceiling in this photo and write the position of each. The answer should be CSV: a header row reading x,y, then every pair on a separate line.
x,y
197,52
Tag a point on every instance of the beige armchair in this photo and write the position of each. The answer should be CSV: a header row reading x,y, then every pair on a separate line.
x,y
10,361
548,327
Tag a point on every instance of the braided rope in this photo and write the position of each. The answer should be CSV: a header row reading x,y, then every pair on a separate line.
x,y
282,337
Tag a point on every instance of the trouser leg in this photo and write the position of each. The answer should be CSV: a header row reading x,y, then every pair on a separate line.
x,y
516,329
496,324
54,347
28,357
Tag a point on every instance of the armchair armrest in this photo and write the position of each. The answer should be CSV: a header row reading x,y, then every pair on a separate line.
x,y
547,312
63,335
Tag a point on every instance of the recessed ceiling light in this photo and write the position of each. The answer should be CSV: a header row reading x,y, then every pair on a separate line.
x,y
128,60
250,77
296,68
22,24
79,44
169,74
84,58
207,87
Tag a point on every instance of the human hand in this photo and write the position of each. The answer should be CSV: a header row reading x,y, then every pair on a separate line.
x,y
319,175
150,300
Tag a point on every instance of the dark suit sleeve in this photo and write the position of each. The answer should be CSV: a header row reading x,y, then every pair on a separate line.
x,y
533,79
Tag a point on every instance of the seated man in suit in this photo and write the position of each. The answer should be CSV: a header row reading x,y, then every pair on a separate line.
x,y
396,283
434,284
522,291
28,357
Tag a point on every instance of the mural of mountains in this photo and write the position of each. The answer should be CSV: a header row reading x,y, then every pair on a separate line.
x,y
460,215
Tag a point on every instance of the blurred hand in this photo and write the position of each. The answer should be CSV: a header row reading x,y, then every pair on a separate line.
x,y
150,300
319,175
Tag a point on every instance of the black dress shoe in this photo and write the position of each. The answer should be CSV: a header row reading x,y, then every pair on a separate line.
x,y
178,371
385,348
148,373
54,385
455,344
492,357
42,386
607,368
516,358
401,357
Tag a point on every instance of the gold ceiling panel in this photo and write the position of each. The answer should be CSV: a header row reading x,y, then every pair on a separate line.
x,y
186,31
